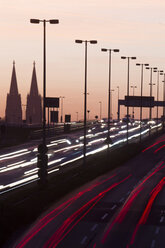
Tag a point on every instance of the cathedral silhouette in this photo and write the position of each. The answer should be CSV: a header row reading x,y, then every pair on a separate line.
x,y
13,113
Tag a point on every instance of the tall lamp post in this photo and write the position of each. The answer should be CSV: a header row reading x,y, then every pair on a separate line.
x,y
128,58
141,106
109,88
85,91
42,149
62,98
111,105
88,111
100,109
77,116
133,87
118,102
163,99
159,72
151,84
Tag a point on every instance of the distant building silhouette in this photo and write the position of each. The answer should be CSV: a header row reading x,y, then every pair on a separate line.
x,y
13,113
34,105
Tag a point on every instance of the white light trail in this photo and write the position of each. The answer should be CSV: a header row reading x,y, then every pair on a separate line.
x,y
68,148
31,171
49,172
72,160
18,166
10,165
13,153
21,181
15,156
55,161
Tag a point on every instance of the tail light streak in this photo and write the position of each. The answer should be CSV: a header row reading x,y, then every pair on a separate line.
x,y
121,215
56,212
159,149
147,210
76,217
156,143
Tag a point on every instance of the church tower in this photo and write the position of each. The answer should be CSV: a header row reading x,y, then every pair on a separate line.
x,y
34,106
13,113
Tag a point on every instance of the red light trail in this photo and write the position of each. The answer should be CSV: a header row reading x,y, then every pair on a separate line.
x,y
120,217
60,234
147,210
56,212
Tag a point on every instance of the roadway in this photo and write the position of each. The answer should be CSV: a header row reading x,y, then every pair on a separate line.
x,y
18,165
124,208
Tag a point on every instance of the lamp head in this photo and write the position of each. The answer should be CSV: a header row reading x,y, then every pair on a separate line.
x,y
54,21
104,49
78,41
35,21
93,41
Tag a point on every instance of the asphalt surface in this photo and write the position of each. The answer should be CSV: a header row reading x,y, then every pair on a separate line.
x,y
125,208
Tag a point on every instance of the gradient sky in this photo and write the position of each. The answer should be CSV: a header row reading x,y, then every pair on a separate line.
x,y
137,28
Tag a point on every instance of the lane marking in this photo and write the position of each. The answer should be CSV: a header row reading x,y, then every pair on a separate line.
x,y
114,206
94,227
153,243
83,240
128,192
104,216
161,219
122,199
157,230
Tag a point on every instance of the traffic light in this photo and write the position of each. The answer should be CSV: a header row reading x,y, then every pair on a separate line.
x,y
42,164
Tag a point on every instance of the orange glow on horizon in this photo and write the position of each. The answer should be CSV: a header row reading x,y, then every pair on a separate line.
x,y
134,27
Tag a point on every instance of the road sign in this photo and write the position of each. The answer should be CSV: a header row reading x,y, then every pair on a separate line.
x,y
67,118
52,102
138,101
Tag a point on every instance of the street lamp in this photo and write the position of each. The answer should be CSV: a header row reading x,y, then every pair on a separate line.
x,y
109,88
151,84
133,87
62,97
77,116
159,72
118,103
163,99
111,104
88,111
42,149
85,91
141,106
128,58
100,109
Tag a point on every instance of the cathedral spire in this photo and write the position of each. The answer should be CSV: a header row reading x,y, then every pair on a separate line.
x,y
34,104
13,111
34,87
13,86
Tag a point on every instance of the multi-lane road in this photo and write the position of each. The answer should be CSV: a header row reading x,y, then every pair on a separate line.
x,y
18,165
125,208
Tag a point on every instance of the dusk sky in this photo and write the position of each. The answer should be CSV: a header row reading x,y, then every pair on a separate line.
x,y
137,28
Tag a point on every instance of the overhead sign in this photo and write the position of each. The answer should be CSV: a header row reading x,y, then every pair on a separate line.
x,y
52,102
138,101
